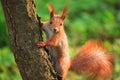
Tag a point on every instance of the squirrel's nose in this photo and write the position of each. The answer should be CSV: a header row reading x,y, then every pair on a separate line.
x,y
55,30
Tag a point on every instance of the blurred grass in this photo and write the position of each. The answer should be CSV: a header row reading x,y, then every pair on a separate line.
x,y
8,68
96,19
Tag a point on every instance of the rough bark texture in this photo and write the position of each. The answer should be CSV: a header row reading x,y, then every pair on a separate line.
x,y
24,32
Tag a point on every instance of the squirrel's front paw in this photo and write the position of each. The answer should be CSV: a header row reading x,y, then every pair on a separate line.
x,y
41,44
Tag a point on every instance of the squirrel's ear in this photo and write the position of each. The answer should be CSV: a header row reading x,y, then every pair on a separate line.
x,y
51,8
65,11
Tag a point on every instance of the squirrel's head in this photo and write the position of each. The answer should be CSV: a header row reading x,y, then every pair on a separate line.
x,y
56,21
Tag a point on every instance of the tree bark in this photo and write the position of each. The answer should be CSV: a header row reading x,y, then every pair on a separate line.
x,y
24,33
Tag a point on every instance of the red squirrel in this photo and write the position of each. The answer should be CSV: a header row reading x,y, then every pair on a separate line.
x,y
92,57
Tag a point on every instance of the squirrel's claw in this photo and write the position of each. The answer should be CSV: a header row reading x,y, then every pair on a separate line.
x,y
41,44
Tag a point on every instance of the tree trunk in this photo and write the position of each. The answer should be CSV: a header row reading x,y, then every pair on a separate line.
x,y
24,33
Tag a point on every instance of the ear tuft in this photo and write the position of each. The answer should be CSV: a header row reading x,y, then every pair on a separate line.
x,y
51,9
65,11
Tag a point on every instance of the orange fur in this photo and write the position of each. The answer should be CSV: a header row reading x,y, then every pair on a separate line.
x,y
56,38
91,58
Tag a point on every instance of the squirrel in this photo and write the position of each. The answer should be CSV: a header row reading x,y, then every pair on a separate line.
x,y
92,57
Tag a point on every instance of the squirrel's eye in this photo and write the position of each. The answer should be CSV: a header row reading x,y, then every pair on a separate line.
x,y
50,22
61,24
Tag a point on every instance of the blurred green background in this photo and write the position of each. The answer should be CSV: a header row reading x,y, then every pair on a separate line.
x,y
87,19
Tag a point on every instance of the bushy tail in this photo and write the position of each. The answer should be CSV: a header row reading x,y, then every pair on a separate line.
x,y
92,58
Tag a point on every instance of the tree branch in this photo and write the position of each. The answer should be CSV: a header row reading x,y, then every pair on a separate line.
x,y
24,33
